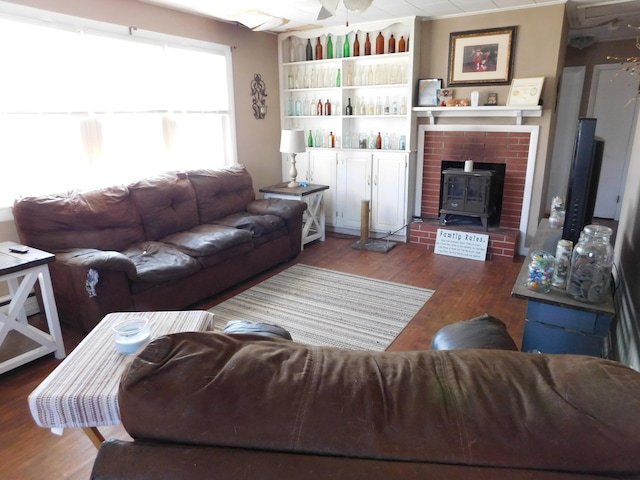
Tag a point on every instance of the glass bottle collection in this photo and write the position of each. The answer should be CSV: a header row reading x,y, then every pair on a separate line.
x,y
326,76
359,140
361,45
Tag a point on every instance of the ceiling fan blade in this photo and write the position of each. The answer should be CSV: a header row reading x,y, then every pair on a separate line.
x,y
324,14
330,6
357,6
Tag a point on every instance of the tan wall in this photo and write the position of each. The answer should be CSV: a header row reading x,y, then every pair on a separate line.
x,y
258,140
535,55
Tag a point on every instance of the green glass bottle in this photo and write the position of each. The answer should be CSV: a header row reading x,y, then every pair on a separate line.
x,y
329,47
310,141
346,51
338,79
309,50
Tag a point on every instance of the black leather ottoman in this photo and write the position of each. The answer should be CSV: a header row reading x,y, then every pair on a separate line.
x,y
480,332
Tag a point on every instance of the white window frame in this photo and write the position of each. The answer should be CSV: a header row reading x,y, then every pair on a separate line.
x,y
49,19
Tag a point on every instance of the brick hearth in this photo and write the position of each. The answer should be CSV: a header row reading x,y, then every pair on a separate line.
x,y
509,148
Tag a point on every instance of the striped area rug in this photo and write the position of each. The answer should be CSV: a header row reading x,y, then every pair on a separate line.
x,y
324,307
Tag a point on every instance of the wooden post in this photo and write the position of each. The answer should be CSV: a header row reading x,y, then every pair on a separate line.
x,y
364,222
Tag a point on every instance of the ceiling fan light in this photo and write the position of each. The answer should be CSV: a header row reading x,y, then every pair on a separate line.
x,y
357,6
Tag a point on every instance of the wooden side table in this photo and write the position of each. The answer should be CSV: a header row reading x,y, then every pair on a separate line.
x,y
313,223
21,271
556,322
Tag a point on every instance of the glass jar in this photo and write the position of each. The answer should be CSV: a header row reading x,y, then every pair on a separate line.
x,y
591,262
540,271
558,212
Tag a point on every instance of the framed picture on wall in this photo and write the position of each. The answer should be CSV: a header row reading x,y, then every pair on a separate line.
x,y
525,92
481,56
428,92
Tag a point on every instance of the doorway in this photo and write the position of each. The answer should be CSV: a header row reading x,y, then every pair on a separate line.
x,y
613,102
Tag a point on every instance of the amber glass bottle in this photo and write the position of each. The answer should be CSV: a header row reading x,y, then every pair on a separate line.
x,y
379,141
402,45
367,45
327,107
392,44
379,44
356,46
319,108
318,50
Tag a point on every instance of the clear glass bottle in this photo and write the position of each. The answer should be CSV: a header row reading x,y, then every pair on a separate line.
x,y
591,262
563,263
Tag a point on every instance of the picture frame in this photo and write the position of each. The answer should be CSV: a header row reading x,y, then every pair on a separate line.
x,y
481,56
492,99
525,92
428,92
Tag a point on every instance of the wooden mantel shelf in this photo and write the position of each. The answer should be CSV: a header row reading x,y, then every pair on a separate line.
x,y
498,111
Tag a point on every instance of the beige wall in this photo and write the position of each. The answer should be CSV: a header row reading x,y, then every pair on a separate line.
x,y
258,140
534,55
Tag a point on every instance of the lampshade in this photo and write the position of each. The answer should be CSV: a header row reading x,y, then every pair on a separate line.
x,y
292,141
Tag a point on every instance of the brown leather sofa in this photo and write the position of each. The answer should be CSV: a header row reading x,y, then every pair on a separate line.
x,y
161,243
215,406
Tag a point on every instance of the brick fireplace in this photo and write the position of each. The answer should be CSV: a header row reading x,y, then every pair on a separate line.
x,y
513,146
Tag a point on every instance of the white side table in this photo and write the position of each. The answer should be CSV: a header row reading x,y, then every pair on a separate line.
x,y
21,271
313,223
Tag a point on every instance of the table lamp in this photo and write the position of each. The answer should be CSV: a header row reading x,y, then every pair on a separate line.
x,y
292,141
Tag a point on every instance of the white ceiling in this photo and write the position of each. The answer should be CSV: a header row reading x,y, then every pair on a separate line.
x,y
602,19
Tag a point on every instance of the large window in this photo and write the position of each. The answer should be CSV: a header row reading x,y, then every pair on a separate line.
x,y
84,108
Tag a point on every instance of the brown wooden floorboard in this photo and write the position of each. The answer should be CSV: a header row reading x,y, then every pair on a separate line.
x,y
464,289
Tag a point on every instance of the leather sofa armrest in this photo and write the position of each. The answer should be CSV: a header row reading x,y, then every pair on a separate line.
x,y
283,208
99,260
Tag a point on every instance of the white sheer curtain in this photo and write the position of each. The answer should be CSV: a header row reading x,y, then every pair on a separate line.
x,y
81,109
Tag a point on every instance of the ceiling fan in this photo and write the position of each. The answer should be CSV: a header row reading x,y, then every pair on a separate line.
x,y
329,7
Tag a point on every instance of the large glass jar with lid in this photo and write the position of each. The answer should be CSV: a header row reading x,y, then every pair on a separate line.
x,y
590,274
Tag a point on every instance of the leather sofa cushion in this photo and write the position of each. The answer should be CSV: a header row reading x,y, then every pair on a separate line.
x,y
480,332
204,240
257,225
221,192
166,203
465,407
158,262
103,219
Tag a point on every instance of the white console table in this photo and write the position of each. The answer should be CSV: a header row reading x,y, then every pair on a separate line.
x,y
21,271
313,225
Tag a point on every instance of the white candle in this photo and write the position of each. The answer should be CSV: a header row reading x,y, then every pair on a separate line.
x,y
468,165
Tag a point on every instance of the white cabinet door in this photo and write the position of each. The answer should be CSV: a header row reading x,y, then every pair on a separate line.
x,y
354,185
389,192
322,171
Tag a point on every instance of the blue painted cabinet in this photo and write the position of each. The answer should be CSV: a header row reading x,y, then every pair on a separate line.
x,y
556,322
559,329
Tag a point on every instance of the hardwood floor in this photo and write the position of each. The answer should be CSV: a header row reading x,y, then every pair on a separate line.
x,y
464,289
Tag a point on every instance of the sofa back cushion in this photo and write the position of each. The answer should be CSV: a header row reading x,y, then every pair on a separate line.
x,y
166,204
465,407
103,219
221,192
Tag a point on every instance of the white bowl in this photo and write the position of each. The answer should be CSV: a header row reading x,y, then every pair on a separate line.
x,y
130,334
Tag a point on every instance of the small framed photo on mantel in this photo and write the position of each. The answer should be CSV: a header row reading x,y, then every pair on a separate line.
x,y
525,92
428,92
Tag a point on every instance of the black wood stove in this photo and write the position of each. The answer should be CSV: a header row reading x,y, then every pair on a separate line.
x,y
466,194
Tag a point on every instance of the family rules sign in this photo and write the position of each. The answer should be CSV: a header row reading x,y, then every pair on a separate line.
x,y
462,244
